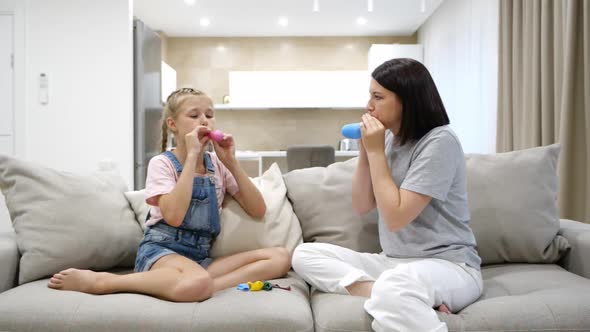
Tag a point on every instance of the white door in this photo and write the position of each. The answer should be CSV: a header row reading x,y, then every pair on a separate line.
x,y
6,86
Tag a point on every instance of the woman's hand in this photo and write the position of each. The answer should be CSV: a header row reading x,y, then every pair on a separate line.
x,y
373,134
196,140
226,150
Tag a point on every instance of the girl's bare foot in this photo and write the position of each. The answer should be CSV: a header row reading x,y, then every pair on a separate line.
x,y
79,280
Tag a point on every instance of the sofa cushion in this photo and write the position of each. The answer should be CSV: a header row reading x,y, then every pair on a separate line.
x,y
517,297
278,227
136,199
34,307
322,200
513,205
239,231
65,220
5,224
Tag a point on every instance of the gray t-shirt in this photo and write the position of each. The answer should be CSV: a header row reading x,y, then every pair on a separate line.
x,y
432,166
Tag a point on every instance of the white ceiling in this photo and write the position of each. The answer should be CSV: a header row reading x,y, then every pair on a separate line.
x,y
229,18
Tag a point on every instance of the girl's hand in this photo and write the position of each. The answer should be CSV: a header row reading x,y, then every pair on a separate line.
x,y
373,134
226,150
196,140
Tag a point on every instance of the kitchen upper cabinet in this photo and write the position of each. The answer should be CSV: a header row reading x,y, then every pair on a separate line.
x,y
297,89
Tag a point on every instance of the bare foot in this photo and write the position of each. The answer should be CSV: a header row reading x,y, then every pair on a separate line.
x,y
79,280
444,309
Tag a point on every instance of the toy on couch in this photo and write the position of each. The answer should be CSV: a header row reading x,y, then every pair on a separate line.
x,y
254,286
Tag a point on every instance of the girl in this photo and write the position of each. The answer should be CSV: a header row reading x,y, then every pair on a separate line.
x,y
411,168
185,188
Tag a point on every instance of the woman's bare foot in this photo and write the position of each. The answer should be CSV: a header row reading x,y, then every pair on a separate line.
x,y
79,280
444,309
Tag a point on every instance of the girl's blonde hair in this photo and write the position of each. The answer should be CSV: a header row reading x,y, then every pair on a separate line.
x,y
172,107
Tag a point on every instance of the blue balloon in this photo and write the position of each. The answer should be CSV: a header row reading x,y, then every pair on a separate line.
x,y
352,130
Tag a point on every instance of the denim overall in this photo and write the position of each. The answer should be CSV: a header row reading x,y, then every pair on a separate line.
x,y
192,239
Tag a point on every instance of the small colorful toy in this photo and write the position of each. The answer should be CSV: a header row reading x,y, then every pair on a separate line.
x,y
254,286
352,130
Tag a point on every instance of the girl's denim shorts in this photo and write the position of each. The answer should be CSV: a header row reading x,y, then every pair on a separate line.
x,y
161,240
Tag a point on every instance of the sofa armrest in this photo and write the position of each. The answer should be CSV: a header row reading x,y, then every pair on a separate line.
x,y
578,235
8,260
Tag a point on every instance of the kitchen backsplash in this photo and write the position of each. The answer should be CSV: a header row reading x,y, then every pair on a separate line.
x,y
277,129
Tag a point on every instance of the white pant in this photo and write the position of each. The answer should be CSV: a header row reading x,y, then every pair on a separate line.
x,y
405,290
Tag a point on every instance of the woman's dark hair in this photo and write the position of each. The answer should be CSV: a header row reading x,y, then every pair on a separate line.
x,y
422,108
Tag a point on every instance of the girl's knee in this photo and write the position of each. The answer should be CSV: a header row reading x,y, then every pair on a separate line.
x,y
282,260
193,288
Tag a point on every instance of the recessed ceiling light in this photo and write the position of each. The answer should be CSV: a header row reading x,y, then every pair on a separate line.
x,y
283,21
361,21
204,22
190,2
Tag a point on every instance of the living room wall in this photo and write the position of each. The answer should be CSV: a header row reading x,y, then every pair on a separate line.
x,y
86,49
461,51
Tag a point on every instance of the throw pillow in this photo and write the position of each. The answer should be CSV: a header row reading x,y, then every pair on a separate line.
x,y
322,200
278,227
513,205
136,199
65,220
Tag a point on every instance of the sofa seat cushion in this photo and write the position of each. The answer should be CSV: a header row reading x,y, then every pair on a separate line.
x,y
34,307
517,297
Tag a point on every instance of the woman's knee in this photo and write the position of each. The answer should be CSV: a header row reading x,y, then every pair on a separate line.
x,y
302,254
404,282
193,288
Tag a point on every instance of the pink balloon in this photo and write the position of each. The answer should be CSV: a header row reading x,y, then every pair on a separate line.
x,y
216,135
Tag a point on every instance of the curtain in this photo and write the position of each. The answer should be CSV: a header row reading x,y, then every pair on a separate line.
x,y
544,89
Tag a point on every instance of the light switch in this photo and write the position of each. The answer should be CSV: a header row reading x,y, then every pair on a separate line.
x,y
43,89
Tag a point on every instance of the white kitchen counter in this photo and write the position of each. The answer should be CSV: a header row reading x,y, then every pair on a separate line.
x,y
259,155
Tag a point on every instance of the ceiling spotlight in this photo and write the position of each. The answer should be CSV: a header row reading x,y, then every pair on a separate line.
x,y
423,6
190,2
369,5
361,21
283,21
204,22
316,5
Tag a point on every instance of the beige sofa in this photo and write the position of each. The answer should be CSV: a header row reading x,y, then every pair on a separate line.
x,y
536,267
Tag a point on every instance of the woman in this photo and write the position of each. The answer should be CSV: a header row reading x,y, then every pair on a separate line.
x,y
411,167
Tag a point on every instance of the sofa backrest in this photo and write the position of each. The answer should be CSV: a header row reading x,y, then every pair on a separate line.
x,y
512,199
9,256
5,223
322,200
